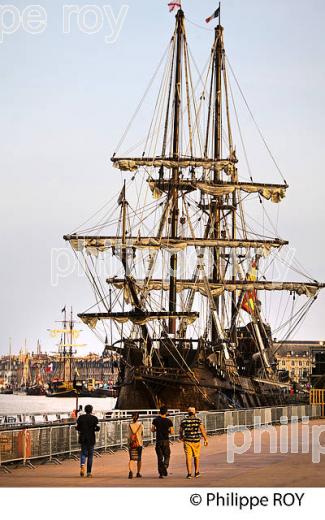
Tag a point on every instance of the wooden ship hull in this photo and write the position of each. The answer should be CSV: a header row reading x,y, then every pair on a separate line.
x,y
202,384
146,392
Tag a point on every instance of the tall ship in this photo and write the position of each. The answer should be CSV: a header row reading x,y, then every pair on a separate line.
x,y
65,379
63,382
186,264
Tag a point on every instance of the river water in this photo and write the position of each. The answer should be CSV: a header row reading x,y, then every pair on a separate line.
x,y
15,404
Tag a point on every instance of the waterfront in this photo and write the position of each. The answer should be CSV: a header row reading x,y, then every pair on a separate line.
x,y
252,468
15,404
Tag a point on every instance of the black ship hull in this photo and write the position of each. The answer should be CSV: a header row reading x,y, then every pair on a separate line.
x,y
63,393
98,393
66,389
195,375
210,393
35,390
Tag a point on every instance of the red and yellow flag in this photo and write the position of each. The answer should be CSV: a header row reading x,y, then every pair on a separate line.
x,y
249,300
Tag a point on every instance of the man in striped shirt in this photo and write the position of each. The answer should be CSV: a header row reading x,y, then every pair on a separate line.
x,y
190,433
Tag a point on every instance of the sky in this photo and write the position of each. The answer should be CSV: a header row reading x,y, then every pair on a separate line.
x,y
67,94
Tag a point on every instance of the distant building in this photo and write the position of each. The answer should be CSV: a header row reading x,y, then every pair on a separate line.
x,y
300,359
95,367
28,369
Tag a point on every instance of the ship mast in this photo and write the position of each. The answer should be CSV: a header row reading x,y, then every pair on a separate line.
x,y
219,205
66,345
175,171
217,201
128,279
65,370
10,348
71,343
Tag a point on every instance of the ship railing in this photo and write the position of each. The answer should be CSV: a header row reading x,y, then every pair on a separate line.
x,y
156,371
120,414
55,442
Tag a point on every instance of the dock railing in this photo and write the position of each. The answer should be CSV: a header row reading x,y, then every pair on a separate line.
x,y
37,419
52,443
317,397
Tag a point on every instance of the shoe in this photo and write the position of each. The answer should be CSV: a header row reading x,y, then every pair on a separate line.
x,y
130,474
89,475
189,476
139,475
161,476
82,470
197,474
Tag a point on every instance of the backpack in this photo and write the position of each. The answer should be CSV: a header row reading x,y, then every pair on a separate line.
x,y
134,441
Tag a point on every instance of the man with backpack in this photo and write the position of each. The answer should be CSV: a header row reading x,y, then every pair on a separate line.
x,y
87,425
163,428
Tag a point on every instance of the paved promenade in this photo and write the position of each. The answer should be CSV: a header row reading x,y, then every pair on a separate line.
x,y
249,469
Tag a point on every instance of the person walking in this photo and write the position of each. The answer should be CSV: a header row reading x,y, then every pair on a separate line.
x,y
135,444
87,425
163,428
191,429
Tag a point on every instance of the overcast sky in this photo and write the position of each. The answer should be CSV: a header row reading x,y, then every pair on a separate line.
x,y
65,100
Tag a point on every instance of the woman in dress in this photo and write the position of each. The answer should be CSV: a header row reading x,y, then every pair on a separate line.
x,y
135,445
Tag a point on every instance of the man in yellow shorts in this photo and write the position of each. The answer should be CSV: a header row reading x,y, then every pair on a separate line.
x,y
190,433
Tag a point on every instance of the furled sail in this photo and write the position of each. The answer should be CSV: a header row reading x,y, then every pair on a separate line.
x,y
137,318
300,288
95,245
269,192
273,192
132,164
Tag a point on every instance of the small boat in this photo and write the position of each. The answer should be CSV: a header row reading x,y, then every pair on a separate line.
x,y
61,389
95,389
35,390
103,392
6,391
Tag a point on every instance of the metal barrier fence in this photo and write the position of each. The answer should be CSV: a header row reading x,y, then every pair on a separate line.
x,y
50,442
317,396
32,419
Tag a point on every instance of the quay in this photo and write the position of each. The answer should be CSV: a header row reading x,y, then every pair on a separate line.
x,y
249,469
